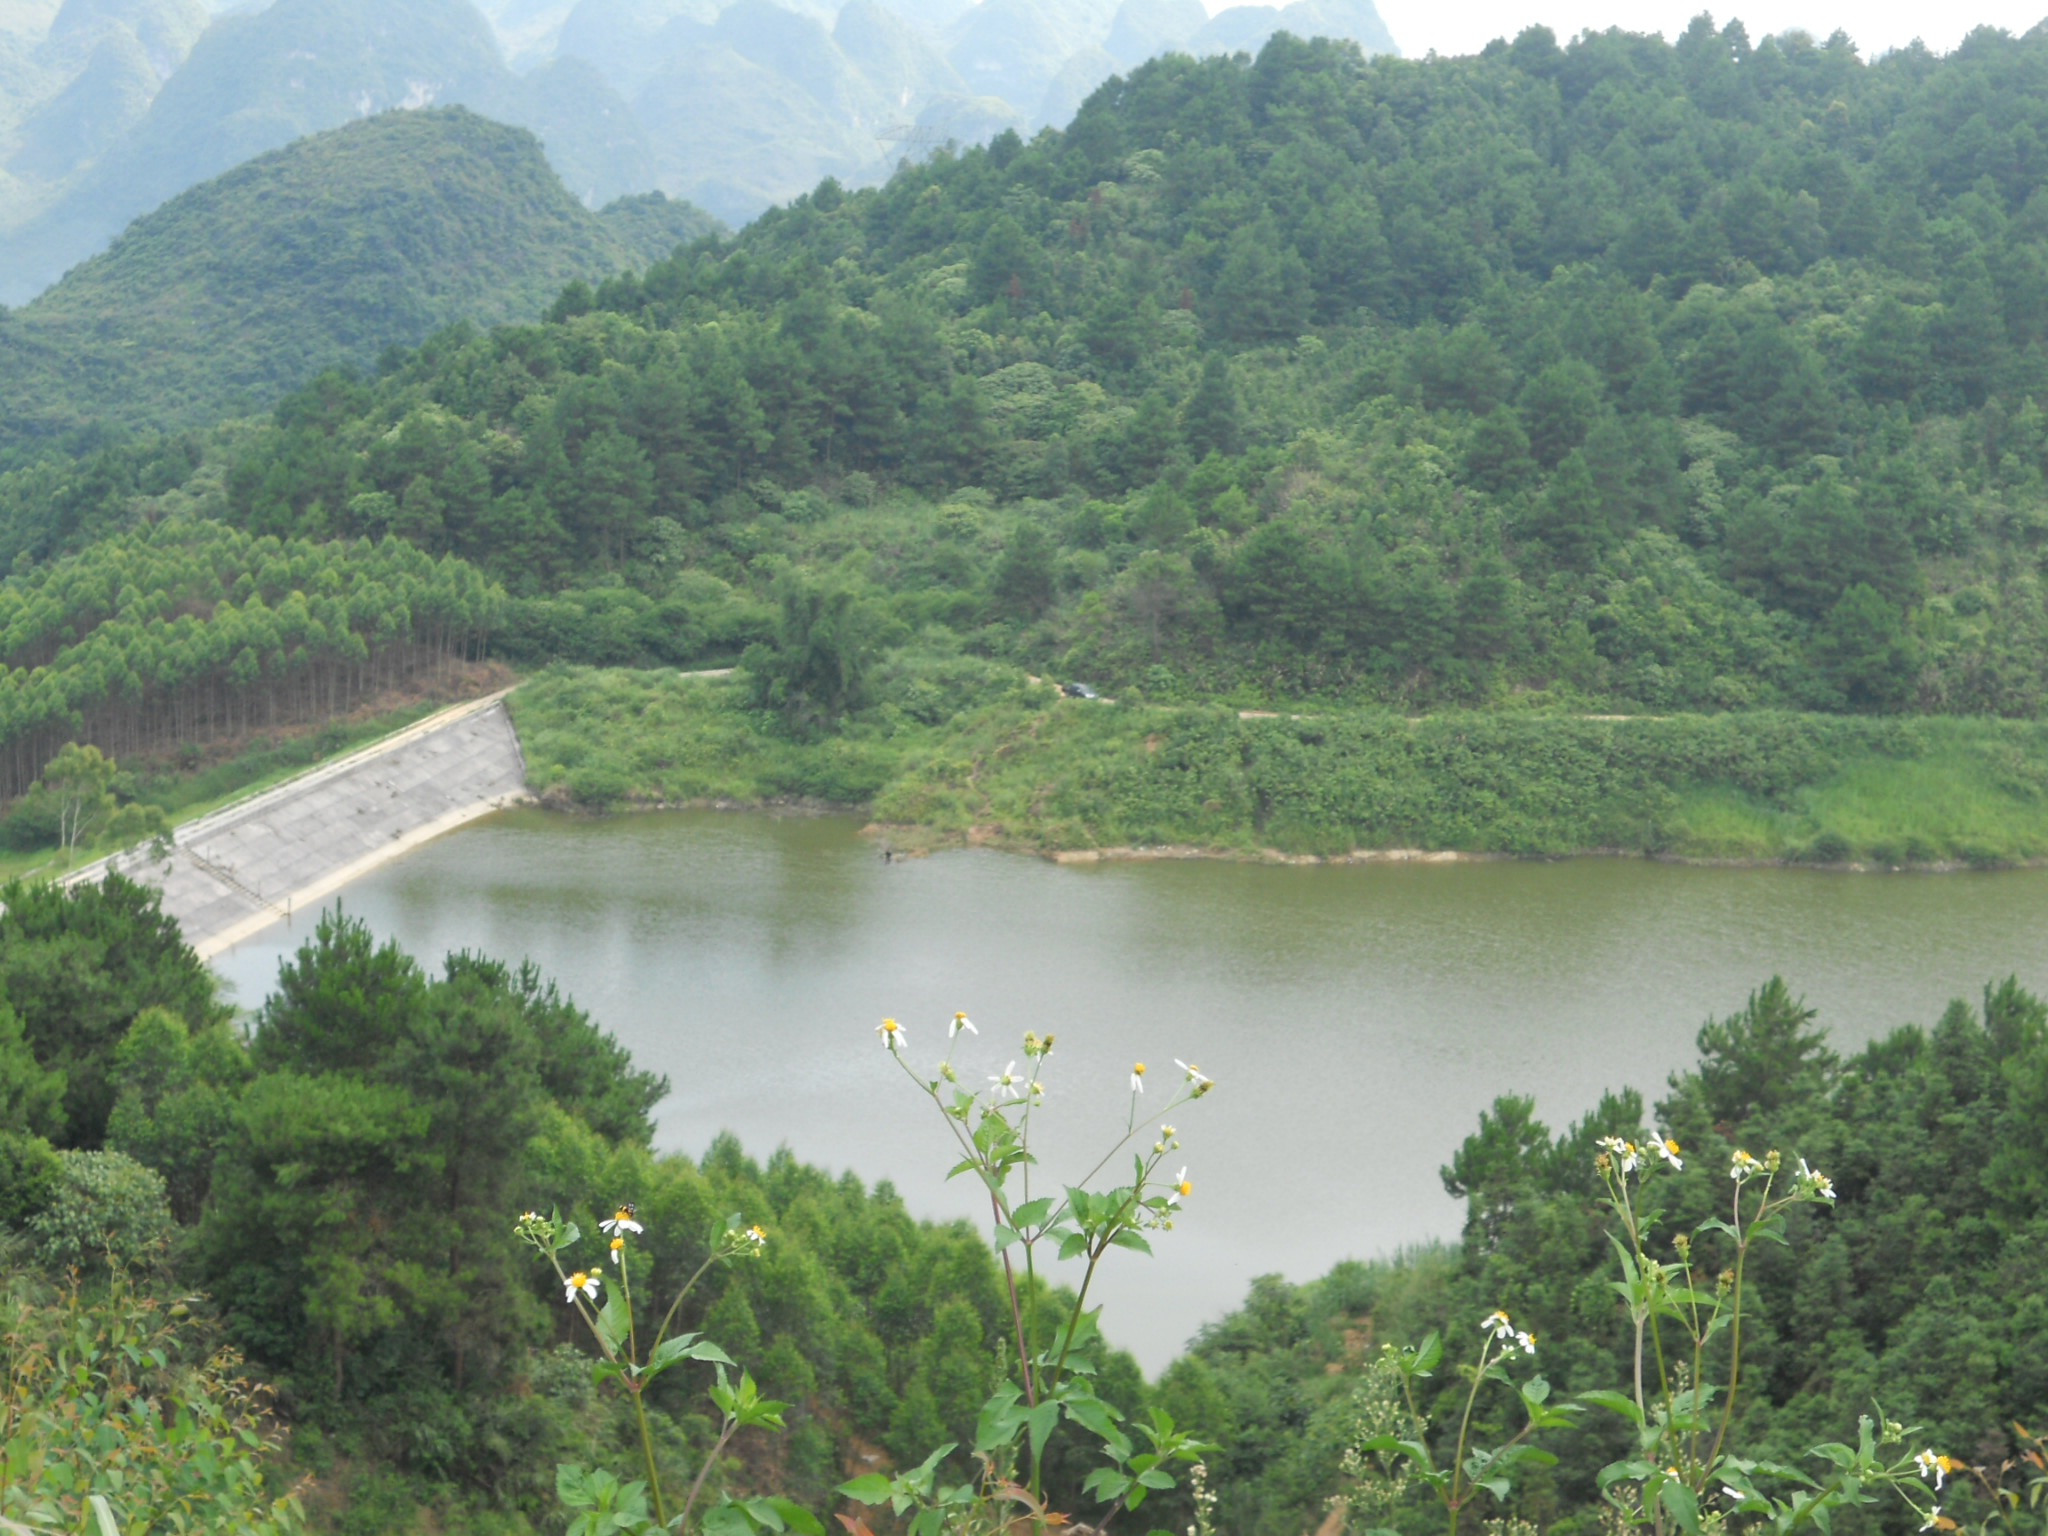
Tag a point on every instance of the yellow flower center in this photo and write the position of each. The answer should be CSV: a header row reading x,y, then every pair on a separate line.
x,y
618,1242
1185,1186
1138,1069
578,1280
1671,1147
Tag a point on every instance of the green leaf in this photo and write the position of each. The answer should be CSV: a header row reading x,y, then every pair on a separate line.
x,y
1005,1236
103,1515
572,1486
1682,1502
614,1321
1097,1416
1032,1212
794,1516
728,1519
1425,1356
869,1488
1129,1239
1620,1471
1617,1402
1039,1423
684,1346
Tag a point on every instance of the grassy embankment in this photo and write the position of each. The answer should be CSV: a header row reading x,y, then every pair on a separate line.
x,y
1033,772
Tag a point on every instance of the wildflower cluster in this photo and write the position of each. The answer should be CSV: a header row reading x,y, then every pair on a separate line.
x,y
993,1129
616,1331
1501,1330
1687,1332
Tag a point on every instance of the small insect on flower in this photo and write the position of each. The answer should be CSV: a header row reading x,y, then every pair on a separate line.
x,y
1180,1189
1668,1150
1137,1077
622,1220
893,1035
1007,1084
1742,1166
586,1283
960,1022
618,1246
1496,1323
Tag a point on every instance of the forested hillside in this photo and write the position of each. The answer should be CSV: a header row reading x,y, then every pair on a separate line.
x,y
1646,376
319,255
190,631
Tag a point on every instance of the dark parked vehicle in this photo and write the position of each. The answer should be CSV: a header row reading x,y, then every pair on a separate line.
x,y
1079,691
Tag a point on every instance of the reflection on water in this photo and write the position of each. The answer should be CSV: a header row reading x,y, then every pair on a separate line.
x,y
1356,1019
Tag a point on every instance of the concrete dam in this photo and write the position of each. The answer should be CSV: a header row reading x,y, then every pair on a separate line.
x,y
247,865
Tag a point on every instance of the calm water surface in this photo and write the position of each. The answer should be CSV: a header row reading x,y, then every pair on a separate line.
x,y
1356,1019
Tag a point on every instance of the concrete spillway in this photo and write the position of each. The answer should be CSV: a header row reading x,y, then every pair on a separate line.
x,y
253,863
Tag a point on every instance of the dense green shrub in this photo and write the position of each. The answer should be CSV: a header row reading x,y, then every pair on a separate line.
x,y
106,1208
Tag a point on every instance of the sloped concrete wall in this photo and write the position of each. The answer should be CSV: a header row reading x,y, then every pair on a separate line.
x,y
252,863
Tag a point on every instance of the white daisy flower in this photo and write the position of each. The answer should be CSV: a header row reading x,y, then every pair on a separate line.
x,y
960,1021
622,1220
1625,1153
893,1034
1816,1182
1008,1084
580,1281
1137,1077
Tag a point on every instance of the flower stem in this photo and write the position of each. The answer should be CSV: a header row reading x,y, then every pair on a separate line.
x,y
1454,1503
647,1450
697,1484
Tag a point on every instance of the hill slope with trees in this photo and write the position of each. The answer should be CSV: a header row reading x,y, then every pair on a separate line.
x,y
319,255
1665,376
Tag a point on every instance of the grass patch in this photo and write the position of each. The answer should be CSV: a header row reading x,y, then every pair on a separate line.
x,y
1027,769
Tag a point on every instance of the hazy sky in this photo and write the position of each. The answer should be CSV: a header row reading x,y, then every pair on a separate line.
x,y
1465,26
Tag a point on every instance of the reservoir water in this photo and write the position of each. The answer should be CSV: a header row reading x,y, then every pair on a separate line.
x,y
1356,1019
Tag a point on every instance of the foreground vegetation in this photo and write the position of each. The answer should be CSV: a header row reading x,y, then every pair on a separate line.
x,y
342,1182
953,749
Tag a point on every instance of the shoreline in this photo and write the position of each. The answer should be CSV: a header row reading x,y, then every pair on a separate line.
x,y
910,840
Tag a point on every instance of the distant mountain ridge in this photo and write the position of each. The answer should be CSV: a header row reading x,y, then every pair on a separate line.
x,y
323,253
109,107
